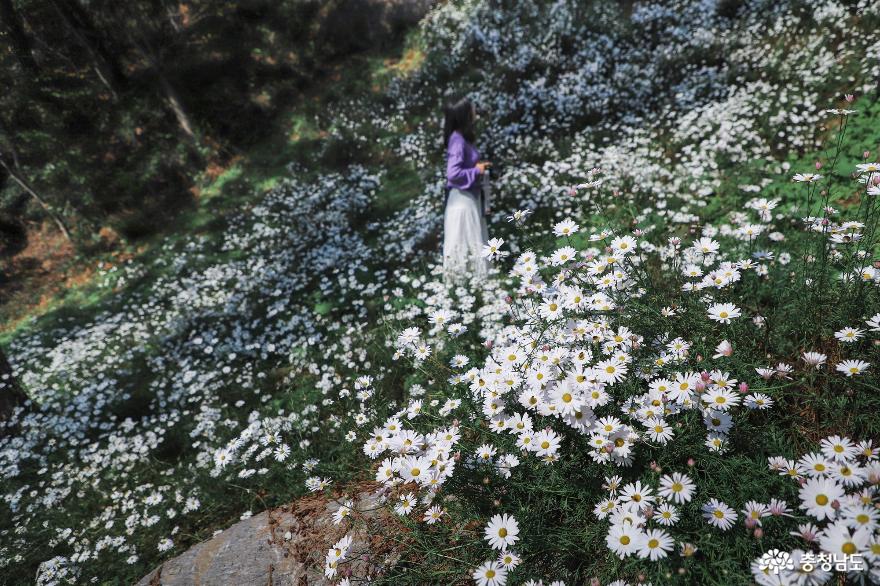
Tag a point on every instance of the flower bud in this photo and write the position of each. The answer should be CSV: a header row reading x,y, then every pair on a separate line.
x,y
849,98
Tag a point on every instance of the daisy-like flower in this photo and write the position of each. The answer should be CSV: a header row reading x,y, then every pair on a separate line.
x,y
567,400
546,443
433,514
563,255
491,573
415,469
406,504
806,177
659,431
610,371
678,487
721,399
724,349
518,216
509,560
755,511
666,515
758,401
868,450
551,309
719,515
815,359
874,323
850,474
815,464
848,334
655,544
222,457
838,539
566,227
492,249
706,246
839,449
856,516
640,496
818,496
342,512
623,539
852,367
723,312
624,244
502,531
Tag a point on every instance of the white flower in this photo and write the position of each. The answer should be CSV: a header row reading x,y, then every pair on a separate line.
x,y
723,312
502,531
492,249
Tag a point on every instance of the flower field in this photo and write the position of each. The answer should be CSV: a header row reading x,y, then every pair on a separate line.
x,y
672,370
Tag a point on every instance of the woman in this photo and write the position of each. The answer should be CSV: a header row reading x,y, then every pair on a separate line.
x,y
464,227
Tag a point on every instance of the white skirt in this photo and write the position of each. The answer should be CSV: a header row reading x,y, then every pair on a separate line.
x,y
464,235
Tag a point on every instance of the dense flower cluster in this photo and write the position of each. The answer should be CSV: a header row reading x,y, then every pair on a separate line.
x,y
654,223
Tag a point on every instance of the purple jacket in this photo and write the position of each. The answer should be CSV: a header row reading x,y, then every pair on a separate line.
x,y
461,157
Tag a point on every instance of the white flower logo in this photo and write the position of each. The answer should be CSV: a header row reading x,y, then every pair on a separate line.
x,y
775,560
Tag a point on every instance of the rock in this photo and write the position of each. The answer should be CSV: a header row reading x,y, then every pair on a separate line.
x,y
256,552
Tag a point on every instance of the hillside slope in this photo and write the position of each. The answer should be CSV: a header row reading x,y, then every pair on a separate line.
x,y
293,344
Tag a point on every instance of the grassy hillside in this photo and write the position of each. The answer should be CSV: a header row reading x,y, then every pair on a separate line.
x,y
296,332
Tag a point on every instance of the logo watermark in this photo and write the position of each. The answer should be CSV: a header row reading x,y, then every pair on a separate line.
x,y
776,561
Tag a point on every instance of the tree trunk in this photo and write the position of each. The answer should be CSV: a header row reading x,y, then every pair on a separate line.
x,y
21,45
23,183
176,104
84,30
12,394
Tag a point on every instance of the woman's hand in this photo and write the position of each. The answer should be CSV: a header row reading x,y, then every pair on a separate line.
x,y
482,166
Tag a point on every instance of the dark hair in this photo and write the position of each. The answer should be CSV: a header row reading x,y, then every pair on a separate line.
x,y
458,116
